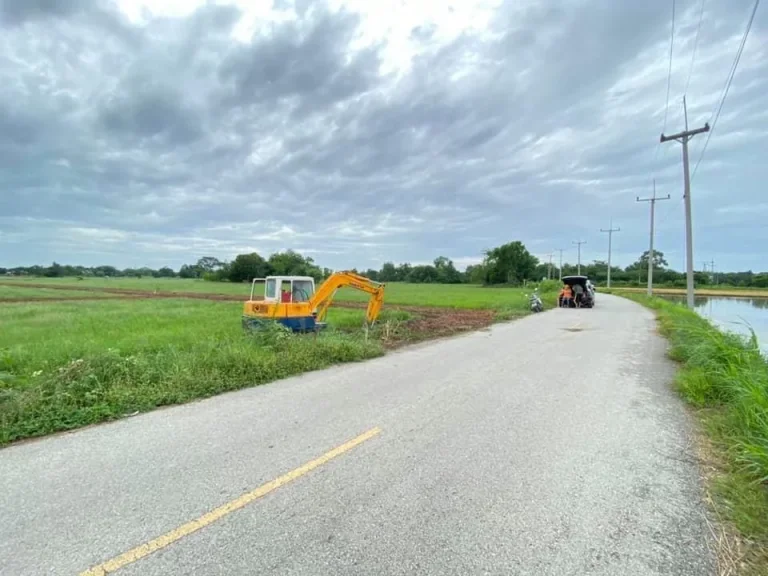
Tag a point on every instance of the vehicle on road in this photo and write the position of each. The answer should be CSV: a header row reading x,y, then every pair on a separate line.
x,y
293,302
587,298
534,301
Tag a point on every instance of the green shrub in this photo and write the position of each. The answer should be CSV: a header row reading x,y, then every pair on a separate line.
x,y
727,376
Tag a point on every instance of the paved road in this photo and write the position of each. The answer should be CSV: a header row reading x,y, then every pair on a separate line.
x,y
549,446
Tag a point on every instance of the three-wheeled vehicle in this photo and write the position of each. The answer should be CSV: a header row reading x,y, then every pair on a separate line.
x,y
585,296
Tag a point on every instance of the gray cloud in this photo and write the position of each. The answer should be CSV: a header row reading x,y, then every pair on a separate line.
x,y
160,141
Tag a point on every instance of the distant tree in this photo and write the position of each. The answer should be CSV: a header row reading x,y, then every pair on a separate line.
x,y
509,263
189,271
292,263
388,273
165,272
208,264
424,274
246,267
475,274
110,271
760,280
403,272
372,274
446,271
642,262
54,270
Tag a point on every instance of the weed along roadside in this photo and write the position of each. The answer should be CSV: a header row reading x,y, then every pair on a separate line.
x,y
78,363
724,377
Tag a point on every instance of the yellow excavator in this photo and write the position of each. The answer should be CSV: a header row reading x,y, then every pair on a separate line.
x,y
293,302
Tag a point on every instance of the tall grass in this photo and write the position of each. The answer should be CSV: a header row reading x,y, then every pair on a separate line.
x,y
725,376
68,365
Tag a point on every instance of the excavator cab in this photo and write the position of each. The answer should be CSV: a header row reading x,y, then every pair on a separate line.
x,y
293,301
287,289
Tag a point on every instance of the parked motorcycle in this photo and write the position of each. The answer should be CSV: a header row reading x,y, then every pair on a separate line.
x,y
534,301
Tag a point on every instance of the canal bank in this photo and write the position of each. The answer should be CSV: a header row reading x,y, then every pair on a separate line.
x,y
724,377
740,315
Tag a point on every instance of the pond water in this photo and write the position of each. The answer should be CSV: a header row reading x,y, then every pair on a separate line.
x,y
734,314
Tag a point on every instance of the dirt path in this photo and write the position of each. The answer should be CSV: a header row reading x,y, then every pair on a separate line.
x,y
127,292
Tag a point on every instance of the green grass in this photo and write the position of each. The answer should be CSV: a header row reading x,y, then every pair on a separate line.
x,y
469,296
144,284
12,292
80,363
725,377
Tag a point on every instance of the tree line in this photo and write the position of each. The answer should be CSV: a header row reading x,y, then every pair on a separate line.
x,y
509,263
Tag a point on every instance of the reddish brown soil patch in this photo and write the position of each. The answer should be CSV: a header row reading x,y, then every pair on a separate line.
x,y
431,322
127,292
60,300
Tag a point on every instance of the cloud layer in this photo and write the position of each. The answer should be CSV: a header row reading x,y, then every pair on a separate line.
x,y
154,133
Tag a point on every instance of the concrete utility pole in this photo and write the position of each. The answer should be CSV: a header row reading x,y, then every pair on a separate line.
x,y
579,243
683,138
549,269
560,275
610,231
712,272
653,201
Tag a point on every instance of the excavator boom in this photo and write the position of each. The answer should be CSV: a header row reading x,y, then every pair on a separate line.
x,y
322,298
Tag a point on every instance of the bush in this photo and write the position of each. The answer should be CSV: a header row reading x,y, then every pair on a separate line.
x,y
107,385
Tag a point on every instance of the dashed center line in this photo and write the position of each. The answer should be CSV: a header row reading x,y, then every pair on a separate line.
x,y
177,534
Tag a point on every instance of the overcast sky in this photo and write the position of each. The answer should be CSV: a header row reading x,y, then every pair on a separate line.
x,y
155,132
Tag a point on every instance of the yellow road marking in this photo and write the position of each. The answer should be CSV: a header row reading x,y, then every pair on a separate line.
x,y
184,530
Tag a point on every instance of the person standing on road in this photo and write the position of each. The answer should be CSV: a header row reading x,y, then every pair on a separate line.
x,y
565,297
578,294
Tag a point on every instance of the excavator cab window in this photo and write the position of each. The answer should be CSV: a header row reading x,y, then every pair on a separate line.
x,y
270,289
285,291
302,290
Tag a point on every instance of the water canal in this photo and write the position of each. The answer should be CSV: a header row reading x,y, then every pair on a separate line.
x,y
734,314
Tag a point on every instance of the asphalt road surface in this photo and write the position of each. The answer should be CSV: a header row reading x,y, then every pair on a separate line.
x,y
548,446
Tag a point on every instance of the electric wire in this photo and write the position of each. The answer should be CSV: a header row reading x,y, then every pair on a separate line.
x,y
727,86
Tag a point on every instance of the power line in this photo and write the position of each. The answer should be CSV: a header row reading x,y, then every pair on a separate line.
x,y
727,86
695,45
669,74
669,84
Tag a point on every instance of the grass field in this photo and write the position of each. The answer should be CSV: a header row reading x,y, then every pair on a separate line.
x,y
78,363
465,296
143,284
19,293
725,378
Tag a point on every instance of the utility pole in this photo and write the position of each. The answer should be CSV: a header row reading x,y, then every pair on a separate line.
x,y
610,231
560,275
549,269
683,138
653,201
712,272
579,243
